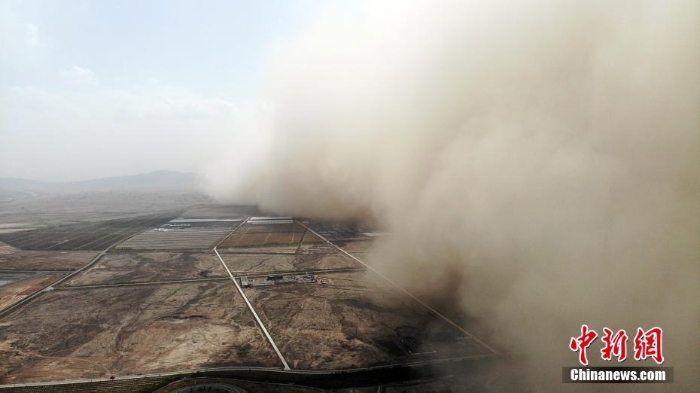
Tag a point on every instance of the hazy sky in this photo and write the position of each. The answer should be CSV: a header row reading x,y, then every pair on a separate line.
x,y
102,88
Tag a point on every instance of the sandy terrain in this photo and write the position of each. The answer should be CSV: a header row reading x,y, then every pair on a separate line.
x,y
281,239
310,237
7,249
355,246
349,320
259,235
260,250
114,319
19,290
45,260
316,248
116,268
88,333
271,263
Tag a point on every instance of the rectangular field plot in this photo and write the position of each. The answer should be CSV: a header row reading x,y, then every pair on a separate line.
x,y
287,235
116,268
182,234
355,246
177,239
351,320
265,237
46,260
311,238
83,236
337,233
91,333
262,264
16,286
316,248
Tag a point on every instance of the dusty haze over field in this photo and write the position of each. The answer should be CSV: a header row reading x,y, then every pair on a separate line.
x,y
543,157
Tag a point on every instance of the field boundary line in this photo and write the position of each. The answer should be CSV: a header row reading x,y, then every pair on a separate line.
x,y
139,283
243,221
400,288
4,312
255,314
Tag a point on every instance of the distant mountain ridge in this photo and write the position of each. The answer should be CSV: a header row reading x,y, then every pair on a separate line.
x,y
154,181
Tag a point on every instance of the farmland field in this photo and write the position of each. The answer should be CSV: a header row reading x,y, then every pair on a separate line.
x,y
83,236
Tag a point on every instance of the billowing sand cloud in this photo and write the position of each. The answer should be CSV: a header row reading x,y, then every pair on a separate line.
x,y
545,157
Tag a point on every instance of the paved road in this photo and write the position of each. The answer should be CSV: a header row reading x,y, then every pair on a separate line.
x,y
250,306
255,314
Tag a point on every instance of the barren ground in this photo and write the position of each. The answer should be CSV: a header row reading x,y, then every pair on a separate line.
x,y
45,260
130,313
86,333
17,291
262,235
7,249
356,246
349,321
273,263
116,268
